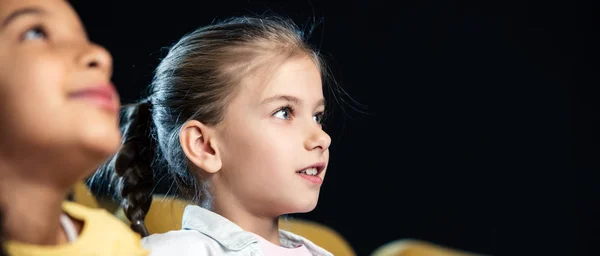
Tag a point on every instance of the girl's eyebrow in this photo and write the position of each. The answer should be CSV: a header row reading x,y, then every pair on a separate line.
x,y
20,13
288,98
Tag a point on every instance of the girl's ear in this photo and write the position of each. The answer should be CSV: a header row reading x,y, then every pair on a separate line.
x,y
199,146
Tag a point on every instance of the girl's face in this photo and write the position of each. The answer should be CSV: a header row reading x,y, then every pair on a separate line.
x,y
272,139
58,106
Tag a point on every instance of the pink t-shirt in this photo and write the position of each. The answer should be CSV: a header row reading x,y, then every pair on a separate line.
x,y
271,249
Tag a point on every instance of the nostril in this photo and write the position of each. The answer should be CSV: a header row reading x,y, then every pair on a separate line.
x,y
93,64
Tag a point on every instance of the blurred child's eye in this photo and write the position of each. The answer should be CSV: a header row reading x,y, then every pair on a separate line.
x,y
35,33
283,113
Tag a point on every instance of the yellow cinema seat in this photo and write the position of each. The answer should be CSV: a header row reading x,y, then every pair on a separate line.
x,y
411,247
165,214
82,195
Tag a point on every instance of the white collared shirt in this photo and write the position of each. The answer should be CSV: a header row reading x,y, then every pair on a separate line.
x,y
205,233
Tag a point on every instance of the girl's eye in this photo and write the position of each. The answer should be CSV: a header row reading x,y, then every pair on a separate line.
x,y
35,33
318,118
283,113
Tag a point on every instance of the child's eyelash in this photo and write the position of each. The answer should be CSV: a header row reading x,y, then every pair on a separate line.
x,y
286,107
321,116
287,111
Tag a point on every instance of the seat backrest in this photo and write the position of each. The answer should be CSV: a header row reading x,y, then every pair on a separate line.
x,y
412,247
165,214
82,195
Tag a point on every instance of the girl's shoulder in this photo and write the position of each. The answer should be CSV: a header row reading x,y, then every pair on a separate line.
x,y
181,242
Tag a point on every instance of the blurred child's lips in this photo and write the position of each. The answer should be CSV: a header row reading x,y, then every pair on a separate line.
x,y
102,96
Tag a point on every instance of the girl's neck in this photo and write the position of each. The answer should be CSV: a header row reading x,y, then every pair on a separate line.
x,y
31,209
263,225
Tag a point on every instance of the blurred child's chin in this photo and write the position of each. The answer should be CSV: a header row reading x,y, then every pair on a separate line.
x,y
102,143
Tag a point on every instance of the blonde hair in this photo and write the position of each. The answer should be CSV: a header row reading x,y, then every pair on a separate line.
x,y
195,81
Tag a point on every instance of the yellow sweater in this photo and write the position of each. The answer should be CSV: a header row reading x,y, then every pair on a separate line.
x,y
102,235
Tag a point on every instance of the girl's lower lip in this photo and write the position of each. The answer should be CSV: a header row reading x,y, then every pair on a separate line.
x,y
312,178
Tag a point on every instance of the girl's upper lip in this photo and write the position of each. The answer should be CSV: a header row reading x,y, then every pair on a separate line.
x,y
320,166
105,90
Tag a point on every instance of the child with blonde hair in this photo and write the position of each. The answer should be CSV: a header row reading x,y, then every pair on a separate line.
x,y
234,116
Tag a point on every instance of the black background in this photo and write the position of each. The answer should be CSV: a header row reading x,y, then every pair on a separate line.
x,y
481,124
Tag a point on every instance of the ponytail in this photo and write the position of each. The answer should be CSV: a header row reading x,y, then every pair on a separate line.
x,y
131,167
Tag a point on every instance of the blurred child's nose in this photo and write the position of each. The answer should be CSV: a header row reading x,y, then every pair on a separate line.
x,y
93,56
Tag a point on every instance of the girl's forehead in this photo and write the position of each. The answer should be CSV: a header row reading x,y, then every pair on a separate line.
x,y
10,9
296,75
297,79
